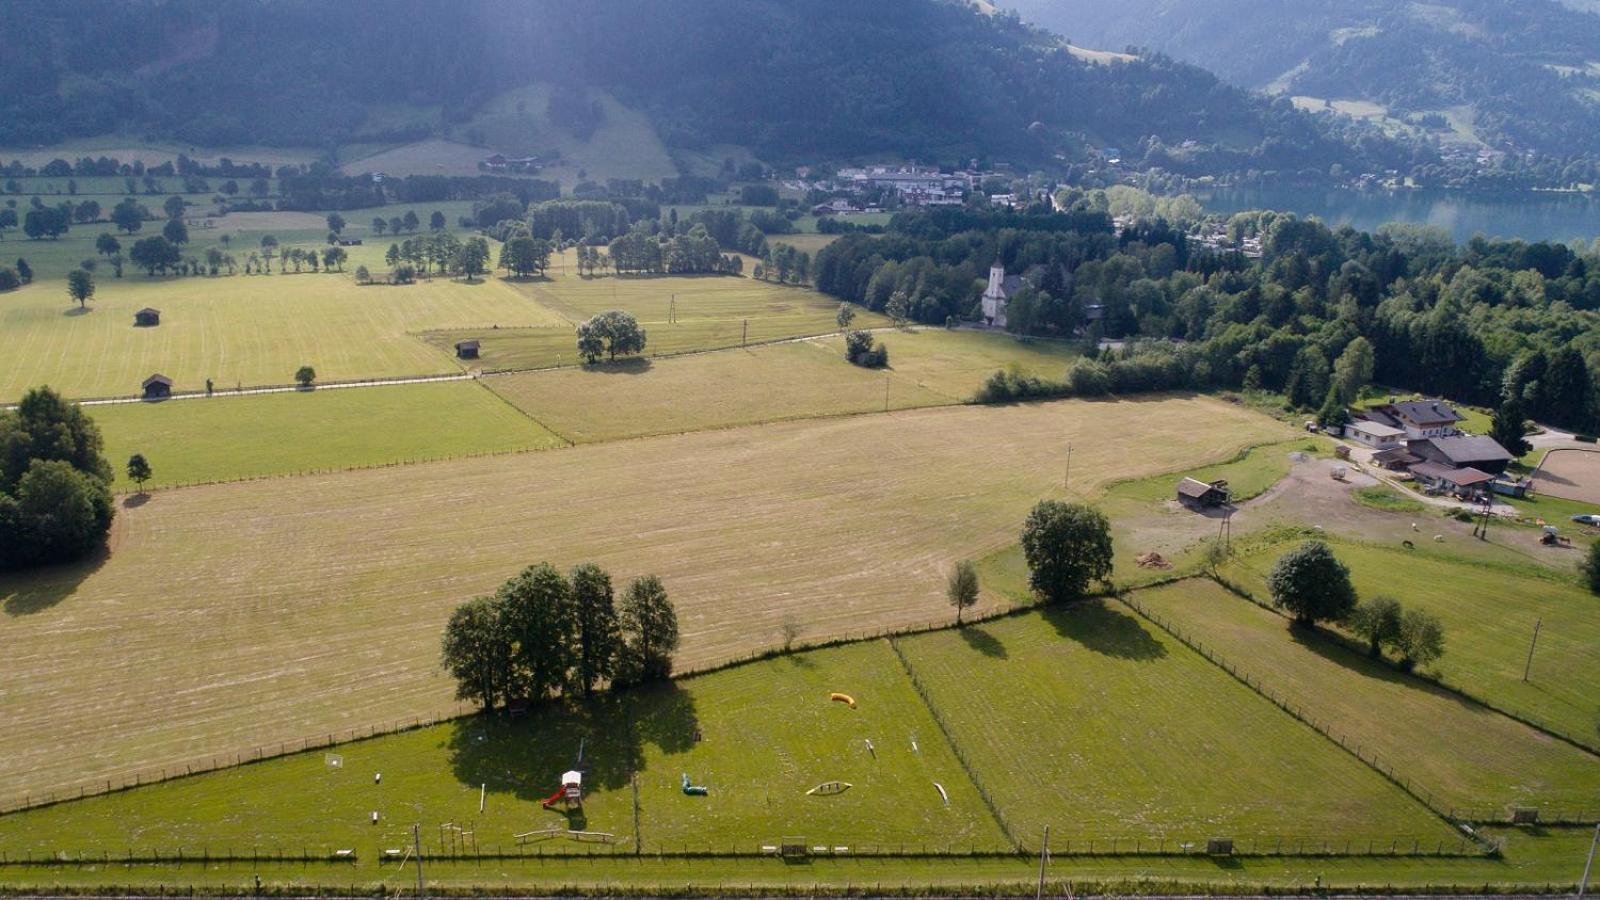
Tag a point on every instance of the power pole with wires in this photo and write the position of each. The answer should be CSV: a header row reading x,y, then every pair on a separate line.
x,y
416,848
1066,480
1044,857
1528,669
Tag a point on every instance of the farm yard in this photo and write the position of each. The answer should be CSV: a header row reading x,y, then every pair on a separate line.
x,y
306,631
1570,475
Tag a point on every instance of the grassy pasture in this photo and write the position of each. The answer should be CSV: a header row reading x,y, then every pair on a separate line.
x,y
956,363
1097,724
250,330
225,438
1463,755
709,390
233,616
625,145
1488,614
767,733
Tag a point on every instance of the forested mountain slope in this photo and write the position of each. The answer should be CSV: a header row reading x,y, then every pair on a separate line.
x,y
1517,76
792,79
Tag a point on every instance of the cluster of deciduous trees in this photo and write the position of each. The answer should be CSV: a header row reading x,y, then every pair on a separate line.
x,y
55,488
544,634
695,252
1314,586
608,334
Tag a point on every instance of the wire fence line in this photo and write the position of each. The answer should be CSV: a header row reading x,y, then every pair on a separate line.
x,y
1262,846
1418,791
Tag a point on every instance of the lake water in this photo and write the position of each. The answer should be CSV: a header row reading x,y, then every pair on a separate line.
x,y
1530,216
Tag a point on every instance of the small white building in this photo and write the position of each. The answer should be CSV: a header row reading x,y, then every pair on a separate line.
x,y
1376,435
999,292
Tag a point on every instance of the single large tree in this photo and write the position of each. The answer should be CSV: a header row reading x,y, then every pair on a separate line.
x,y
1312,584
1420,639
598,632
962,591
477,652
305,376
539,620
80,286
336,223
1509,427
128,215
1067,547
650,631
1377,621
107,244
154,254
611,333
138,470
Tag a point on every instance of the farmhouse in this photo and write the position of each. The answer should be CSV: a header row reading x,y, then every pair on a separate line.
x,y
157,387
1478,451
147,318
1374,434
999,292
466,349
1197,494
1419,419
349,241
1461,482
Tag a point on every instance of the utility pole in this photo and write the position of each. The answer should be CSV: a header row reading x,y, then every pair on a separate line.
x,y
416,849
744,339
1584,884
886,393
1044,855
1067,478
1531,644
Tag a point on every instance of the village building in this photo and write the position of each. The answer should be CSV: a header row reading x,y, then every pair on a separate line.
x,y
1001,289
1376,435
147,318
1395,459
1419,419
1478,451
1197,494
157,387
1463,483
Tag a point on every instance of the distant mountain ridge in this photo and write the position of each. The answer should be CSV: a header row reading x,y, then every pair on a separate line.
x,y
1514,76
795,80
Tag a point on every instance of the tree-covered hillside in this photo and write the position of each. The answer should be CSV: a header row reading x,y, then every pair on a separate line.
x,y
792,79
1527,74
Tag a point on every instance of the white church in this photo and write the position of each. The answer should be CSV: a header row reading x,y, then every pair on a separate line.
x,y
1000,290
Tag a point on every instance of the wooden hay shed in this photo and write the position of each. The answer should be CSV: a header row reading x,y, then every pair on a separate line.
x,y
147,318
467,349
1197,494
157,387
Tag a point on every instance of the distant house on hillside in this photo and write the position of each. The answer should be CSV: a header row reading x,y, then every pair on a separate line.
x,y
1478,451
147,318
157,387
1197,494
1001,289
467,349
349,241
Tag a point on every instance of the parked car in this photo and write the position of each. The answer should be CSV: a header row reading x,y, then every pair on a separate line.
x,y
1587,519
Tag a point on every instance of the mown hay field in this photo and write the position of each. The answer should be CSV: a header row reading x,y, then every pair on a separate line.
x,y
1489,613
224,438
248,330
1463,756
956,363
1091,721
757,736
237,616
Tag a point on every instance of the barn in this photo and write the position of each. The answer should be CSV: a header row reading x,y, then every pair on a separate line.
x,y
157,387
147,318
1197,494
466,349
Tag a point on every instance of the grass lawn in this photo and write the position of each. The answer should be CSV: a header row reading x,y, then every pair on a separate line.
x,y
1381,496
227,438
249,330
759,736
957,363
1465,756
1095,723
709,390
244,614
1488,614
1248,476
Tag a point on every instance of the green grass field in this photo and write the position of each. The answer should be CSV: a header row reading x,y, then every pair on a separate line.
x,y
956,363
1463,756
1488,614
1095,723
307,630
709,390
226,438
759,736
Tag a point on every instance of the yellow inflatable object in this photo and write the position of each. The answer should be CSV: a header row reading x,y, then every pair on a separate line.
x,y
843,698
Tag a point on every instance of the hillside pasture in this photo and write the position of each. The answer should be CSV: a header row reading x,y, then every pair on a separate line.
x,y
194,441
1488,614
1465,757
230,617
248,330
1095,723
706,390
957,363
758,736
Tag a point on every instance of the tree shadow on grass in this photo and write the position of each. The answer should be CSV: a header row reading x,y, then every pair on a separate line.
x,y
981,640
78,311
526,756
134,501
631,365
1331,648
1112,632
36,590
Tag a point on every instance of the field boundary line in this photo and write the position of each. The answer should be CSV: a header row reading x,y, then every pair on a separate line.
x,y
1341,641
955,747
524,413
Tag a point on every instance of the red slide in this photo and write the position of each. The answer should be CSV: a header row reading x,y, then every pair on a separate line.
x,y
550,800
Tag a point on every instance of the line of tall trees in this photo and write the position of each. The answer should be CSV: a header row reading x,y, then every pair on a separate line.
x,y
543,634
